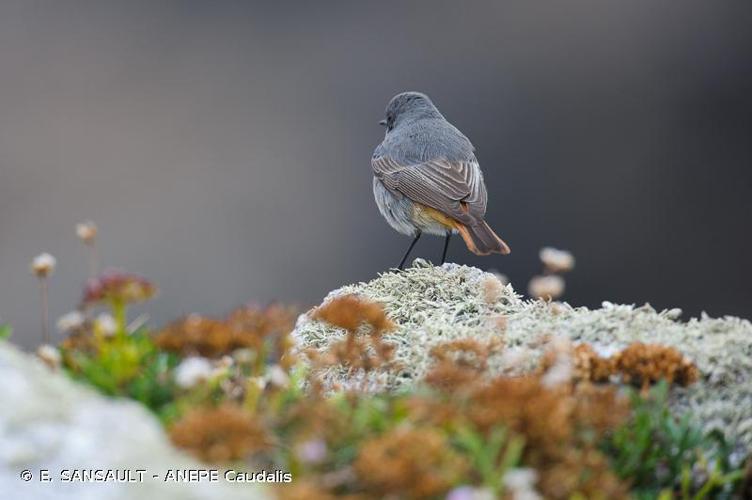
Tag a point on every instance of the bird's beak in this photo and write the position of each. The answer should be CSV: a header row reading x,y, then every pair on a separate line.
x,y
382,123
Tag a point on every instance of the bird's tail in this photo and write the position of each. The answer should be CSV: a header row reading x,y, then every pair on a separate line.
x,y
481,240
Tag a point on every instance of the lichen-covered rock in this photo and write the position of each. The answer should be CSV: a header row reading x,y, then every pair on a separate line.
x,y
431,305
49,422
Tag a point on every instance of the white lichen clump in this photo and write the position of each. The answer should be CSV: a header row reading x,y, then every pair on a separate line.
x,y
431,305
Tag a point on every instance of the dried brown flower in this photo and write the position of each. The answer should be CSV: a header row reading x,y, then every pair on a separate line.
x,y
360,353
196,334
459,363
417,463
524,405
254,326
219,434
551,421
349,312
560,423
366,352
639,364
599,408
643,364
587,364
590,366
580,472
316,417
247,327
305,489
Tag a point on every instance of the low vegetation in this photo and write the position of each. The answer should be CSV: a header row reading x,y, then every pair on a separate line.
x,y
243,390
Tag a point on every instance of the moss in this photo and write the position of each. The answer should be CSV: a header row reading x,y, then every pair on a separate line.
x,y
432,305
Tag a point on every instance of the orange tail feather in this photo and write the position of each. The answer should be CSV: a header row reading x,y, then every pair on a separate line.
x,y
481,240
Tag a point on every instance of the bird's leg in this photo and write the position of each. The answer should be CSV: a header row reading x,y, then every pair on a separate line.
x,y
409,249
446,247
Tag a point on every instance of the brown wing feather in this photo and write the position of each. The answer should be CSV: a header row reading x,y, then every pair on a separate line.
x,y
454,188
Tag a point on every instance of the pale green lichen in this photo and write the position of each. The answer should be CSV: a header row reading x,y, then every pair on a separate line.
x,y
431,305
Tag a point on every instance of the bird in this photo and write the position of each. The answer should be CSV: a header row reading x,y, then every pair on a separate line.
x,y
426,178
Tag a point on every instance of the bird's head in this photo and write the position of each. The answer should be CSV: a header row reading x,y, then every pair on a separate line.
x,y
407,107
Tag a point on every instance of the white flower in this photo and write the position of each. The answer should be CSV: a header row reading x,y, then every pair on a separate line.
x,y
50,355
277,376
105,325
546,287
43,265
521,484
71,322
556,261
86,231
192,371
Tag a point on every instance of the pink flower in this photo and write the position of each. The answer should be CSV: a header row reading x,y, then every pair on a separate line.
x,y
118,286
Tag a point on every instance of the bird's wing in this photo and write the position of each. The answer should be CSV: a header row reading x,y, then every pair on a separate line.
x,y
455,188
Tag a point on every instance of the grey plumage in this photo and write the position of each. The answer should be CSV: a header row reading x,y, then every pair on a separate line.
x,y
426,176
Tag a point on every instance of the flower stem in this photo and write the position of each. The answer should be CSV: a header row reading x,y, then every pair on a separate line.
x,y
45,309
93,260
119,314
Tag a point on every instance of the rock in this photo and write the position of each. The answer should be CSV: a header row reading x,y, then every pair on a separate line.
x,y
431,305
49,422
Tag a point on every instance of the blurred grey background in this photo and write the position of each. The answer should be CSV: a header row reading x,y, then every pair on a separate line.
x,y
223,147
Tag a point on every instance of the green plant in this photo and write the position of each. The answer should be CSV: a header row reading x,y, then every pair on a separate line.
x,y
363,417
661,454
493,455
126,365
5,331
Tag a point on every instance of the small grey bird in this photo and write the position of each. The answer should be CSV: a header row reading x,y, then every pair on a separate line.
x,y
427,179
